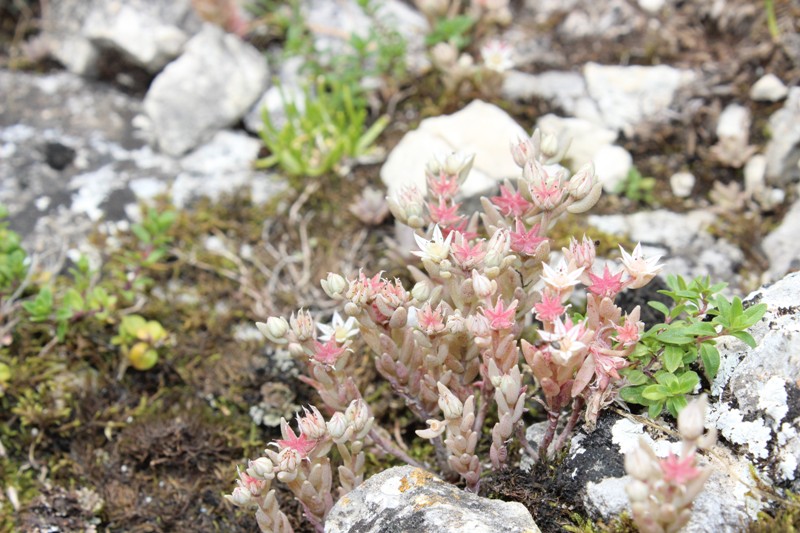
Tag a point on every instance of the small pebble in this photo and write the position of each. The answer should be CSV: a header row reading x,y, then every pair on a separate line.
x,y
768,89
682,184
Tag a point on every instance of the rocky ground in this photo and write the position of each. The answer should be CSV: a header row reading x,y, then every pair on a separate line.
x,y
109,107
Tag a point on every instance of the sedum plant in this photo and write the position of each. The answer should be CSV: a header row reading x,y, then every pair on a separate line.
x,y
488,332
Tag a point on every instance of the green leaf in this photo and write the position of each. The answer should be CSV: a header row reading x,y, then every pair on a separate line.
x,y
655,392
72,300
660,307
636,377
141,233
686,383
710,357
655,409
676,404
751,315
673,357
633,395
675,335
745,338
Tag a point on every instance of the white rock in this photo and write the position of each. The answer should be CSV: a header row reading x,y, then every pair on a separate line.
x,y
690,252
758,379
586,138
627,96
733,133
481,128
148,33
754,172
651,6
769,88
782,153
610,20
400,496
682,184
291,88
211,86
563,88
612,165
782,246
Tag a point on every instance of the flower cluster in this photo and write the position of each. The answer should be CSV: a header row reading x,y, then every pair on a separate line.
x,y
663,489
489,315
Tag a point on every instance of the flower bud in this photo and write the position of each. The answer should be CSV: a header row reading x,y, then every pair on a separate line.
x,y
288,460
637,491
240,497
302,324
261,468
581,184
275,328
691,420
312,425
549,145
444,54
450,405
338,426
459,164
421,291
334,285
639,464
522,151
357,414
483,286
408,206
534,173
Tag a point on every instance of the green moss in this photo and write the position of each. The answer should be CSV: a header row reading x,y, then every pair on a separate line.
x,y
785,518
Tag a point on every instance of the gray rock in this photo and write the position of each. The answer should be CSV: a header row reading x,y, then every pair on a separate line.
x,y
688,249
594,468
409,499
211,86
759,399
783,148
782,246
70,157
482,128
149,33
609,20
768,88
627,96
563,88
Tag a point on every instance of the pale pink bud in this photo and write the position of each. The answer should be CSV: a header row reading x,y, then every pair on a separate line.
x,y
312,425
408,206
498,247
357,414
421,291
302,324
334,285
275,328
637,491
450,405
288,460
639,464
522,151
261,468
483,286
337,426
534,173
458,164
691,420
455,323
444,54
478,325
580,185
240,497
549,145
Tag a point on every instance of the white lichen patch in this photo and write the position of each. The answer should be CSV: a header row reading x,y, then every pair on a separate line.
x,y
626,435
788,439
731,424
772,399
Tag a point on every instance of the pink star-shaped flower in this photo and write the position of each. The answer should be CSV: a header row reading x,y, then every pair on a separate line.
x,y
443,214
465,255
442,185
608,285
499,317
328,353
549,308
302,444
430,320
679,471
526,242
511,202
